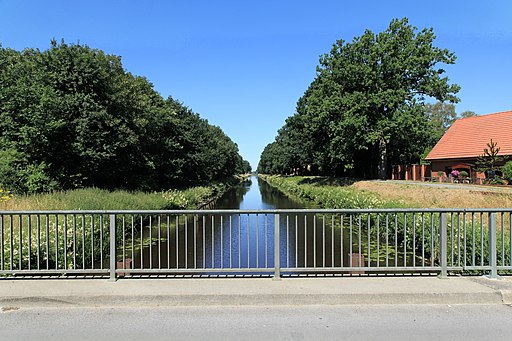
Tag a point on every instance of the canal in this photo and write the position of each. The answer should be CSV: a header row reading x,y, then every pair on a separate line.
x,y
245,241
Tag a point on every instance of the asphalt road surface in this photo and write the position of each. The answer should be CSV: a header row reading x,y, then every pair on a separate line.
x,y
379,322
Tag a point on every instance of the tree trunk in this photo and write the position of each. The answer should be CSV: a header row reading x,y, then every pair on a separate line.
x,y
383,159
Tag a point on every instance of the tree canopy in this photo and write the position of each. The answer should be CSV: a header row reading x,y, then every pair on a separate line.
x,y
366,107
72,116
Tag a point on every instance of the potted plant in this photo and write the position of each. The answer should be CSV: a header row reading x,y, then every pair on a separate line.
x,y
464,176
440,174
455,175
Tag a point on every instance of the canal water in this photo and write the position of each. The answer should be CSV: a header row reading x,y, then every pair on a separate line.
x,y
256,194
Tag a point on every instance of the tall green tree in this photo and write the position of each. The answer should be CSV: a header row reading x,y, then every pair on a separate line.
x,y
365,108
441,115
468,113
72,116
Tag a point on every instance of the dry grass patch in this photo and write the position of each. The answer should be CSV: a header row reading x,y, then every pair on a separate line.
x,y
417,195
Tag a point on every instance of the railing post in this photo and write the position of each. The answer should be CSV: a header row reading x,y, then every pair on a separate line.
x,y
443,246
112,248
277,249
493,262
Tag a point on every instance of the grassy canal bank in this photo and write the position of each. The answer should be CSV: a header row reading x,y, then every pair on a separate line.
x,y
100,199
336,193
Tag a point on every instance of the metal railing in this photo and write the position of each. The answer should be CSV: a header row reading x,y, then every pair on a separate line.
x,y
213,242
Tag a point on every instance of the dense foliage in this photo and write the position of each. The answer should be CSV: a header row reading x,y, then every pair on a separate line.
x,y
366,108
72,117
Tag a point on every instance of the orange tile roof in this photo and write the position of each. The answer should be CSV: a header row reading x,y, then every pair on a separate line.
x,y
468,137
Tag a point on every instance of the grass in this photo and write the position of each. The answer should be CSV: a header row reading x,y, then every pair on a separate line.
x,y
420,196
329,192
101,199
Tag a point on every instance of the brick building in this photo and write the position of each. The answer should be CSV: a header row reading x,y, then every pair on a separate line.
x,y
466,139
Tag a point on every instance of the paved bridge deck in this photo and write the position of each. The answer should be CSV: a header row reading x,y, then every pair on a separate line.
x,y
254,291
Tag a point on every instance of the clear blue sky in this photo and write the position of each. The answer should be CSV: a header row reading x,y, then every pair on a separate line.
x,y
243,64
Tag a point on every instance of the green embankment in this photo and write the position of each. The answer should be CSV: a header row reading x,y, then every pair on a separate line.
x,y
101,199
326,192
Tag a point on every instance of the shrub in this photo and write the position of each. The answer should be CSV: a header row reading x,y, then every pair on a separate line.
x,y
463,174
507,170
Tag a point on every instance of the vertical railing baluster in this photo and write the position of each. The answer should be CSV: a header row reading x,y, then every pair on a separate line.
x,y
74,241
204,242
405,239
287,241
305,241
195,240
56,241
277,249
169,240
20,246
396,240
29,225
65,241
213,242
221,242
256,240
123,250
323,240
266,240
248,241
378,240
160,242
387,239
369,228
443,245
176,234
151,242
239,241
473,251
231,242
83,241
38,242
92,241
133,241
423,239
360,242
332,241
341,240
452,234
464,225
112,241
296,241
186,241
350,263
503,238
458,240
101,241
11,244
141,243
314,241
414,239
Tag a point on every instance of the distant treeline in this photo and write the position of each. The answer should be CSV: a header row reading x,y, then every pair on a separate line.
x,y
72,116
368,107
